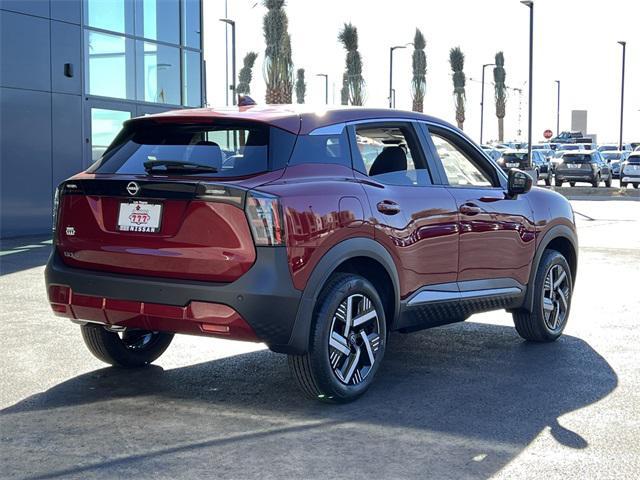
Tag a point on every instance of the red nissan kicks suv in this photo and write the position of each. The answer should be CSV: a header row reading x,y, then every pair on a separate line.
x,y
316,233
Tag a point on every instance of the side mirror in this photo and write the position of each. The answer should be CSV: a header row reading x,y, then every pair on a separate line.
x,y
519,183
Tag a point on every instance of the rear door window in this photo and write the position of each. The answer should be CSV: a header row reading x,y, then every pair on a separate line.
x,y
229,150
391,154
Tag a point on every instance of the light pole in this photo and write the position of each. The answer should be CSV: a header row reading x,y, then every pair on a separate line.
x,y
326,86
624,51
558,110
391,49
233,56
482,100
529,3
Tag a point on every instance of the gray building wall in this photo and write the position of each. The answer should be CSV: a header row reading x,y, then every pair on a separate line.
x,y
40,114
44,126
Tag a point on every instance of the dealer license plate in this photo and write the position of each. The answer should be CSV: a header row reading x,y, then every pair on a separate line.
x,y
139,217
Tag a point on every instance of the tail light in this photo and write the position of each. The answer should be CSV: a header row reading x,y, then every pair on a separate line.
x,y
56,208
264,214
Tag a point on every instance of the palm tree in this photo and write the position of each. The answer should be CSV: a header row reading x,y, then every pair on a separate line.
x,y
245,75
301,86
344,91
355,82
456,59
278,66
499,76
419,64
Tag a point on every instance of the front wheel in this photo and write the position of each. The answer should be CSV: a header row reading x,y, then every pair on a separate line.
x,y
547,181
559,183
623,185
553,287
596,182
129,349
608,181
572,184
347,344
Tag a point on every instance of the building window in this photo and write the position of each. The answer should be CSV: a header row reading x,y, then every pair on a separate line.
x,y
113,15
105,125
110,65
192,81
191,23
158,20
158,73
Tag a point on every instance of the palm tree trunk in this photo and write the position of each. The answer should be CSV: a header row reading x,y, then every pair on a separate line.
x,y
500,129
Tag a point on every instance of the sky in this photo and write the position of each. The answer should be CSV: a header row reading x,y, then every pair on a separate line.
x,y
575,41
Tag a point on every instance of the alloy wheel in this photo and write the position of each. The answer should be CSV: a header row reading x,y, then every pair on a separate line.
x,y
354,339
556,296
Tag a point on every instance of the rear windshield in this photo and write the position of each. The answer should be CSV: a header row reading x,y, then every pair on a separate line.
x,y
634,159
612,155
231,150
576,158
515,157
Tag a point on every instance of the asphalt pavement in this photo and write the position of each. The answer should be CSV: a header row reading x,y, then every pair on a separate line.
x,y
470,400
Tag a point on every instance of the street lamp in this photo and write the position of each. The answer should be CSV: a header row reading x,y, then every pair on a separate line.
x,y
233,56
529,3
482,100
624,51
391,49
326,86
558,110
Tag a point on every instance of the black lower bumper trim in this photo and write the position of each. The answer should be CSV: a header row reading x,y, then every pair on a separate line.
x,y
264,296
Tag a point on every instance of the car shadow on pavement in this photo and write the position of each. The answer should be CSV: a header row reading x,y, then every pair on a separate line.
x,y
455,402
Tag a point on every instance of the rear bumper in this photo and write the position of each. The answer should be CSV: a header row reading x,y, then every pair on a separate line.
x,y
260,306
577,176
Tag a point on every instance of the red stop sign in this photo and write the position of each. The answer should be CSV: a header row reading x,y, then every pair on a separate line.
x,y
548,134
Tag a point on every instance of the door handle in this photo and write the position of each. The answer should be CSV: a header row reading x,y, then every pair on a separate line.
x,y
470,209
388,207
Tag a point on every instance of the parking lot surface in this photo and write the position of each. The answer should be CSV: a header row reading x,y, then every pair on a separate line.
x,y
469,400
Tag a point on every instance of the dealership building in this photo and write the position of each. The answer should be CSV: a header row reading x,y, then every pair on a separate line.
x,y
71,71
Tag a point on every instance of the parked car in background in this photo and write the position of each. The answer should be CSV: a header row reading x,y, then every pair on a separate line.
x,y
612,147
615,159
494,153
637,149
519,159
269,225
583,166
630,170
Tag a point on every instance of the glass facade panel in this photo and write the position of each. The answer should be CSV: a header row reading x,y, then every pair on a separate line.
x,y
114,15
191,93
158,73
110,67
105,125
191,23
158,20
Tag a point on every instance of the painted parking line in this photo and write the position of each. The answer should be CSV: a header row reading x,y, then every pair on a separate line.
x,y
9,252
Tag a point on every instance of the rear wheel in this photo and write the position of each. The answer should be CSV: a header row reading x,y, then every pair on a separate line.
x,y
347,344
636,185
607,182
623,184
553,287
573,184
559,183
131,348
547,181
596,181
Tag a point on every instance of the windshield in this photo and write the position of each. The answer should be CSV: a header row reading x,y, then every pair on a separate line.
x,y
569,147
229,150
604,148
634,159
612,155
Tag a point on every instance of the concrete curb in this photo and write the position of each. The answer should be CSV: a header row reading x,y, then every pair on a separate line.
x,y
600,193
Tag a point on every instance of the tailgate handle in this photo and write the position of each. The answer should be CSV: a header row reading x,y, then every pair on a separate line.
x,y
388,207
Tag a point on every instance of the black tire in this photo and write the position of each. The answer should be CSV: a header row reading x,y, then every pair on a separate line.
x,y
534,326
547,181
572,184
636,185
128,351
596,182
314,371
608,181
623,184
559,183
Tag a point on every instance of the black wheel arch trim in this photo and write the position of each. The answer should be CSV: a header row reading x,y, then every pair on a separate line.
x,y
557,231
338,254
